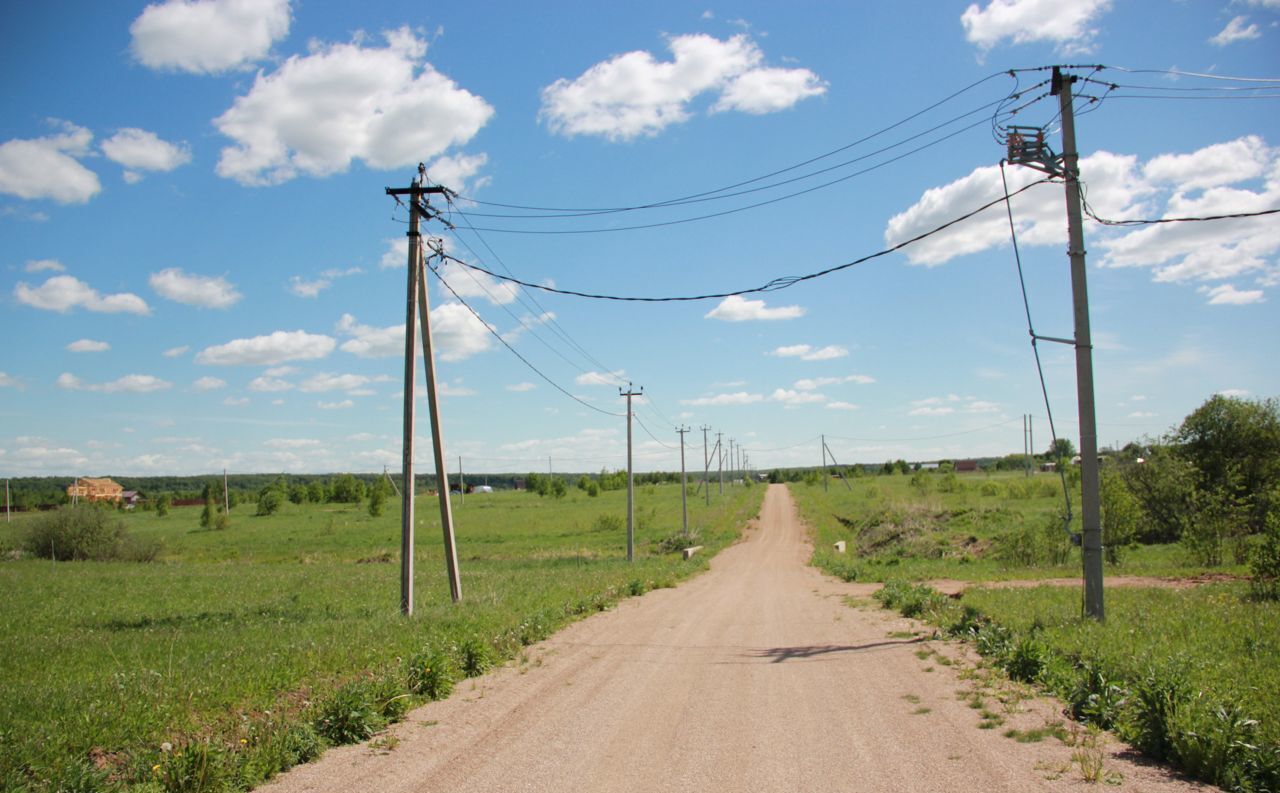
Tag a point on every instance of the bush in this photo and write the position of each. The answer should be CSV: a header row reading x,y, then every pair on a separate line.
x,y
1264,560
269,501
86,532
356,711
1035,545
1219,518
609,523
475,657
432,673
1121,515
677,541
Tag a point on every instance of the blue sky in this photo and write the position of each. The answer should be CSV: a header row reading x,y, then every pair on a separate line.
x,y
199,268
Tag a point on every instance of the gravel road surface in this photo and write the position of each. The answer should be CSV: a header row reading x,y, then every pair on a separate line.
x,y
755,676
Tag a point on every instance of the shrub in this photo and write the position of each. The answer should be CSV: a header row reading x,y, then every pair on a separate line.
x,y
432,673
269,501
86,532
1264,560
475,657
609,523
162,505
678,541
1035,544
1121,515
1219,517
351,714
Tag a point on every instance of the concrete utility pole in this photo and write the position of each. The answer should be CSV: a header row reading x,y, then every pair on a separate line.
x,y
720,461
684,483
706,466
462,483
825,474
1091,519
416,290
631,482
1027,147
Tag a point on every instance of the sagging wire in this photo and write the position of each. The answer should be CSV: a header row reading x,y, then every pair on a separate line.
x,y
783,282
1035,348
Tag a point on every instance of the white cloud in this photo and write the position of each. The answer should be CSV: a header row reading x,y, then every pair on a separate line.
x,y
43,265
396,255
194,290
1235,392
451,390
235,402
174,352
454,170
139,150
47,167
602,378
1141,414
471,283
1068,25
1213,180
333,382
317,113
130,383
269,384
737,398
7,381
931,411
343,405
1228,295
841,406
269,350
88,345
209,384
1236,30
807,352
814,383
737,309
280,371
633,94
64,292
520,388
207,36
981,406
454,329
303,288
793,398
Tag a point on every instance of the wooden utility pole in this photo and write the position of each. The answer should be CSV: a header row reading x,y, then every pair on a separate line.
x,y
631,483
416,290
684,483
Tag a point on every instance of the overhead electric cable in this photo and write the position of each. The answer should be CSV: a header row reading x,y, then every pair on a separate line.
x,y
513,351
772,286
1088,210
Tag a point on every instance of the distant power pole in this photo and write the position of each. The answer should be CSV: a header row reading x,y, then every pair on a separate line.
x,y
417,304
720,461
1030,150
706,466
631,482
226,499
825,475
684,483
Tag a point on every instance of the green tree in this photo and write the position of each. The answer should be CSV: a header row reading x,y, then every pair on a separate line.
x,y
298,493
1121,515
270,499
1234,445
1061,449
346,489
558,488
317,493
208,516
163,502
1164,485
377,498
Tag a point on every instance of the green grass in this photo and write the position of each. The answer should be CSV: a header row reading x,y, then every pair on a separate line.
x,y
234,638
1189,676
896,530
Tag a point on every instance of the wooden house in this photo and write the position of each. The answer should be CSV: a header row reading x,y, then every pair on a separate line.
x,y
91,489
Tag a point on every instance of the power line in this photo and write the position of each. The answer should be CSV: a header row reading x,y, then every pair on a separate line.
x,y
1088,210
513,351
776,284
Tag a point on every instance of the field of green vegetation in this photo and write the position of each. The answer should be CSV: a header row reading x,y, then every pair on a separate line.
x,y
971,527
1190,675
242,651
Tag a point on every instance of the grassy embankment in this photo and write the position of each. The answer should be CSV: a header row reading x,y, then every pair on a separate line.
x,y
242,651
1189,676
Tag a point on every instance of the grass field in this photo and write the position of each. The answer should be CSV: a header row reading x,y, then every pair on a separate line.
x,y
971,527
1190,676
192,673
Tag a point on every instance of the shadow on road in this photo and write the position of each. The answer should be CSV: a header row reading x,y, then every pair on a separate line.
x,y
780,654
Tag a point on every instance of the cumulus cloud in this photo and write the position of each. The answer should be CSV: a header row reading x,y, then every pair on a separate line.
x,y
43,265
795,398
1237,29
7,381
456,332
269,384
269,350
814,383
48,167
62,293
174,352
88,345
735,308
303,288
520,388
333,382
1215,180
194,290
1070,26
343,405
807,352
130,384
138,150
207,36
235,402
737,398
1228,295
841,406
634,94
317,113
209,384
617,378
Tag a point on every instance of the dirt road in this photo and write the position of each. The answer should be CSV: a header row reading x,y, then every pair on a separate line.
x,y
754,676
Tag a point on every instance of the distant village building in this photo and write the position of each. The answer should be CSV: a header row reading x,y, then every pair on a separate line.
x,y
91,489
966,466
